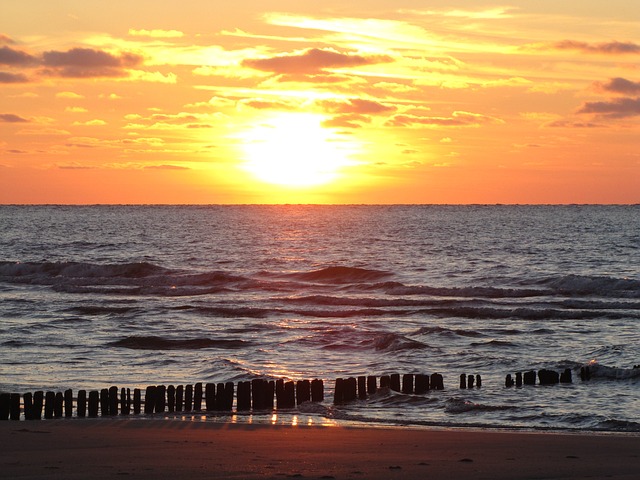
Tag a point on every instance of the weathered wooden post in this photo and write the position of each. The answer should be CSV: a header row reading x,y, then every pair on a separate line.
x,y
258,393
350,389
585,373
289,394
125,401
188,398
229,388
150,399
470,381
93,403
407,383
113,400
422,384
209,397
371,384
68,403
81,407
38,402
303,391
244,396
104,401
49,400
5,406
197,397
27,399
463,380
437,381
338,392
15,406
171,398
160,399
362,387
58,405
395,382
317,390
508,381
478,381
385,381
565,377
179,397
137,401
518,379
529,378
270,388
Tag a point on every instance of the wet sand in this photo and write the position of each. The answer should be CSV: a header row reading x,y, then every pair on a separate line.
x,y
154,449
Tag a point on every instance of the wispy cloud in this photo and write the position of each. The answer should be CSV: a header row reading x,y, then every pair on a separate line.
x,y
617,108
618,85
12,118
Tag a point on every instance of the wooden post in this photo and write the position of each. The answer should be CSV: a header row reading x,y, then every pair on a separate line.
x,y
137,401
209,397
350,389
179,397
478,380
58,405
407,383
244,396
197,397
518,379
38,401
565,377
338,391
385,381
150,399
49,400
422,384
317,390
463,380
508,381
395,382
471,380
303,391
161,399
188,398
5,406
28,406
104,402
529,378
125,401
227,403
14,412
220,396
270,389
258,394
93,403
437,381
280,394
171,398
371,384
68,403
81,407
289,394
362,387
113,400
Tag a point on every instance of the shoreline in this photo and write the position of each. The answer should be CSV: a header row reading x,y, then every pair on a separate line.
x,y
162,448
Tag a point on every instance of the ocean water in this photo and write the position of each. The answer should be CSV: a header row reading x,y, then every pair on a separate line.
x,y
95,296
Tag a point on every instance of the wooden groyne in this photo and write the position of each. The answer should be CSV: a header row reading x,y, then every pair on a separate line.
x,y
544,376
248,396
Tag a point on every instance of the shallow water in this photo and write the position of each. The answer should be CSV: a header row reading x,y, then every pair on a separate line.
x,y
135,295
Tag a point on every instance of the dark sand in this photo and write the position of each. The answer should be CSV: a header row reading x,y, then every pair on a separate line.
x,y
159,449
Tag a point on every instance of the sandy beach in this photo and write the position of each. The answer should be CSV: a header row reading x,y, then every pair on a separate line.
x,y
155,449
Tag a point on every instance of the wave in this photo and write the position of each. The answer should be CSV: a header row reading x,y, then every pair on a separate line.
x,y
594,285
459,405
35,270
340,275
162,343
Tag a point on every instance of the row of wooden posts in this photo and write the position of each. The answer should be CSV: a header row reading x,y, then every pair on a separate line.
x,y
545,377
255,395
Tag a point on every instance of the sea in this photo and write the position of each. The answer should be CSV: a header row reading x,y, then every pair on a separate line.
x,y
95,296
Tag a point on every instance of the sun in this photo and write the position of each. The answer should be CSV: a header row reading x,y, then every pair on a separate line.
x,y
294,150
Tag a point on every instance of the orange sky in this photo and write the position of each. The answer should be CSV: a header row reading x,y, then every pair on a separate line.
x,y
365,101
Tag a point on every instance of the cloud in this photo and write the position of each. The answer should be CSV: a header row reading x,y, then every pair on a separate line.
x,y
6,77
313,60
96,122
346,121
156,33
619,85
572,124
6,39
618,108
10,56
12,118
358,106
68,95
457,119
612,48
88,63
166,167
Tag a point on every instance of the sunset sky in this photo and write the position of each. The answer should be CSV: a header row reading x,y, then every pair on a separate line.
x,y
283,101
